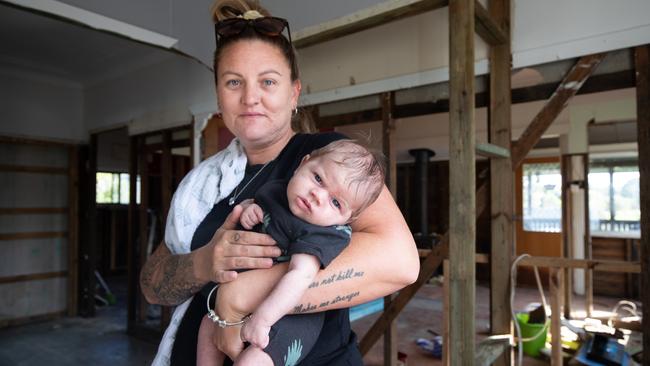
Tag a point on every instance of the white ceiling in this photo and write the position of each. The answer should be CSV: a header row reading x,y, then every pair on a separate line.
x,y
41,45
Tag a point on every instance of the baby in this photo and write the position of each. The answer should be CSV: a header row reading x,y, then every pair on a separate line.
x,y
309,218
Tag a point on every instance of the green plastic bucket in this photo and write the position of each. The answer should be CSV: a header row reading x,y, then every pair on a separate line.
x,y
532,347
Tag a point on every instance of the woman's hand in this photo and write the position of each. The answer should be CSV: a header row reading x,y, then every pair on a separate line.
x,y
231,249
170,279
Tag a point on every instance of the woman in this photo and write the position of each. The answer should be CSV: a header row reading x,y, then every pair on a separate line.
x,y
258,87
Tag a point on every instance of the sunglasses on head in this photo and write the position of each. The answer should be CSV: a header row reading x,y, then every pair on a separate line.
x,y
268,26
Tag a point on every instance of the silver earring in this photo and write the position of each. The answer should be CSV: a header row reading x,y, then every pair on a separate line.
x,y
295,112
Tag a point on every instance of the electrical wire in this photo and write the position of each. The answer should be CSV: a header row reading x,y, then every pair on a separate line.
x,y
513,285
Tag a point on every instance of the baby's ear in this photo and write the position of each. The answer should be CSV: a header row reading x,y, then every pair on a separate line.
x,y
304,159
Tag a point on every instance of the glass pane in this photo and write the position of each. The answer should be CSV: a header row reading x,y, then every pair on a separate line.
x,y
124,188
103,189
137,190
599,200
115,189
626,198
542,196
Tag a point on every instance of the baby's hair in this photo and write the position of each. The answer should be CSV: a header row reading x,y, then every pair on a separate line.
x,y
365,169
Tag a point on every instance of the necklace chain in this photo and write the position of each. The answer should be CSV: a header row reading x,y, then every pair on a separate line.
x,y
232,199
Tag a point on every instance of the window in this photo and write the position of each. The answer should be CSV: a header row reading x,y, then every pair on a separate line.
x,y
614,201
114,188
542,197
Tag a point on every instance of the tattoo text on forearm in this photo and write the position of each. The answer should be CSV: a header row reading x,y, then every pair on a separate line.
x,y
177,283
341,276
337,277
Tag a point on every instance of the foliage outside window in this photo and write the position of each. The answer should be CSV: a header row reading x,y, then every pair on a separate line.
x,y
614,201
542,197
113,188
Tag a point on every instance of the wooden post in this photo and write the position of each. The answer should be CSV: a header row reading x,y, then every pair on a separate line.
x,y
445,313
556,282
589,273
166,191
501,179
143,168
131,259
462,176
388,144
73,230
642,63
567,247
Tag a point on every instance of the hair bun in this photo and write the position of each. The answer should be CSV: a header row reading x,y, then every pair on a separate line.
x,y
226,9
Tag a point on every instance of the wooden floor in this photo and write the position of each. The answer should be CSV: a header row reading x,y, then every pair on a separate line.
x,y
424,314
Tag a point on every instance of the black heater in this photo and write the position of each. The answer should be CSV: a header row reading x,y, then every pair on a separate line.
x,y
421,189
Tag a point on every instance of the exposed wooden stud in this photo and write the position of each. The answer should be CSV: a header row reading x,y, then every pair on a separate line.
x,y
598,265
492,151
166,190
462,191
34,235
568,87
132,254
33,277
33,210
73,230
589,274
30,141
445,313
642,64
501,175
364,19
12,322
488,27
33,169
567,230
143,168
556,291
388,145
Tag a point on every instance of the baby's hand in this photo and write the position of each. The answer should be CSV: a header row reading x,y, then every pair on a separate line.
x,y
255,333
252,215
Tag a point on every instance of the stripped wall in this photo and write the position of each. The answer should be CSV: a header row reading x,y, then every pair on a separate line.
x,y
33,245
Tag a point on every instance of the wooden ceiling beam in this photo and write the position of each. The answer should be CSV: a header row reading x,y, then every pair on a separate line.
x,y
595,84
487,28
364,19
568,87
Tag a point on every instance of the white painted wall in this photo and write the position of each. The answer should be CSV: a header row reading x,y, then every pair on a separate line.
x,y
152,98
414,51
432,131
38,107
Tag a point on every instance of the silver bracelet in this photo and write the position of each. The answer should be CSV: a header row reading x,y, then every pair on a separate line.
x,y
215,318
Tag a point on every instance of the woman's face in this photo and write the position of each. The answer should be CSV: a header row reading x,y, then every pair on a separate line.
x,y
256,94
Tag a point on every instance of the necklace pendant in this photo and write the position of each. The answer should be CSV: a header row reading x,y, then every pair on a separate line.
x,y
231,201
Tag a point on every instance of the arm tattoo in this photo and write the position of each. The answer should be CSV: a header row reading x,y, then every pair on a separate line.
x,y
343,275
171,279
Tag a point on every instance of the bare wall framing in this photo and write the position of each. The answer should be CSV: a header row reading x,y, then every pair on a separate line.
x,y
38,230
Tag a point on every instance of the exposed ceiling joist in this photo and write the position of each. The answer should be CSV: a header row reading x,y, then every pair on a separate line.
x,y
364,19
487,28
384,13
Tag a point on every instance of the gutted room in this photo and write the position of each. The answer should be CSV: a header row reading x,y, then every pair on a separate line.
x,y
479,169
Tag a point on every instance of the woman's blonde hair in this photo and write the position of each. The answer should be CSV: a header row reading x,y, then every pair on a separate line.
x,y
226,9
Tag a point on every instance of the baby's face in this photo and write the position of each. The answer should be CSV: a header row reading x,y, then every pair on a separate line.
x,y
318,193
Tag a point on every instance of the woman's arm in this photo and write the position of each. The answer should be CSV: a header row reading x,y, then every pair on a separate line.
x,y
169,279
381,259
